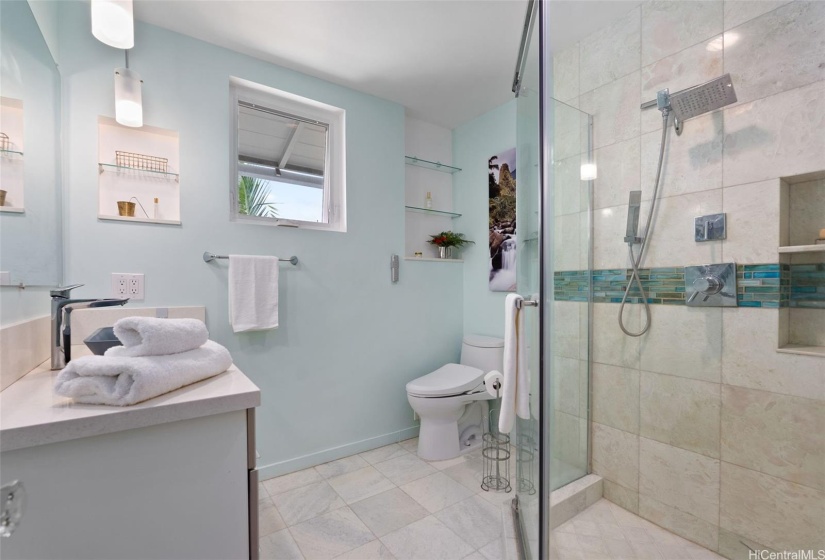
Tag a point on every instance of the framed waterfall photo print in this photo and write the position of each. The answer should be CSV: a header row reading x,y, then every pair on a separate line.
x,y
501,181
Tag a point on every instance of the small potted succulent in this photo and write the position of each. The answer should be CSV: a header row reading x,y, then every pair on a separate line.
x,y
446,240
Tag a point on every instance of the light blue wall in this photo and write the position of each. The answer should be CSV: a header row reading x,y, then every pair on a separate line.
x,y
333,375
46,12
473,144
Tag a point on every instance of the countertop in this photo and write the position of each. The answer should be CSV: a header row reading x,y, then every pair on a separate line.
x,y
32,414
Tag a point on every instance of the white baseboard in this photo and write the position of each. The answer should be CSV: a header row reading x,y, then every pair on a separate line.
x,y
333,453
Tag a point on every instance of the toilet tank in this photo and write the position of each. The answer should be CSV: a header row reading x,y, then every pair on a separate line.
x,y
483,352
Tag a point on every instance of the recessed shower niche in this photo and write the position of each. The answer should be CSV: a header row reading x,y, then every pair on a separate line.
x,y
802,260
138,166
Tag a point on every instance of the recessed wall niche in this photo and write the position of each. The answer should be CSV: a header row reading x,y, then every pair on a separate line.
x,y
138,165
802,255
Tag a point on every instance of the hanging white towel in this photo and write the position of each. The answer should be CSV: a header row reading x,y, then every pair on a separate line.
x,y
515,398
150,336
125,381
253,293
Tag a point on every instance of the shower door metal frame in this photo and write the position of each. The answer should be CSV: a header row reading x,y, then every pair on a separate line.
x,y
545,250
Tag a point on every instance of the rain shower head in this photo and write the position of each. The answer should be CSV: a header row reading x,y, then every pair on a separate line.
x,y
701,99
694,101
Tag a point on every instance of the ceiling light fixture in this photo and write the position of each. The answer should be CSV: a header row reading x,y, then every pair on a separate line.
x,y
113,23
128,96
589,172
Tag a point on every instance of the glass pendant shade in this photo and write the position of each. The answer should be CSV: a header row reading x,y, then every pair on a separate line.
x,y
128,98
113,24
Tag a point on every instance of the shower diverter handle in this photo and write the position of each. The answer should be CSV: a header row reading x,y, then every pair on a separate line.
x,y
707,285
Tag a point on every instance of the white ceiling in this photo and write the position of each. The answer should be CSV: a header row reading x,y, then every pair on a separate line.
x,y
446,61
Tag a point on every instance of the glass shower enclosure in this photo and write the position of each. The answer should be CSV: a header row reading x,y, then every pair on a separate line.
x,y
553,268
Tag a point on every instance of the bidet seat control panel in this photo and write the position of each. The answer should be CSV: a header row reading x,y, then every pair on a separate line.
x,y
711,285
394,269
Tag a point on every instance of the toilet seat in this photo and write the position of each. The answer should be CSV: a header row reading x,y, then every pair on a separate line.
x,y
447,381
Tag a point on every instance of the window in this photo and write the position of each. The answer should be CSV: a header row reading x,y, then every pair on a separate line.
x,y
289,159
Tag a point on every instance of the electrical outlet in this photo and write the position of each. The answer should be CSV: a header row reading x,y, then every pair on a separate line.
x,y
127,285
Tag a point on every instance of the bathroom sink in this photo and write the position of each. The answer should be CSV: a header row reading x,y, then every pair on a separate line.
x,y
101,340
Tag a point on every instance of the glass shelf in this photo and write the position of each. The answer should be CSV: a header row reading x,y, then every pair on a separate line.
x,y
9,153
434,165
429,259
430,211
119,168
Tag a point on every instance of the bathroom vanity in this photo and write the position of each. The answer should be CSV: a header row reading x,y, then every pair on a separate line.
x,y
172,477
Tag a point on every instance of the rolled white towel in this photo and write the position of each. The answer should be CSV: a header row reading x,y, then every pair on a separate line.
x,y
124,381
149,336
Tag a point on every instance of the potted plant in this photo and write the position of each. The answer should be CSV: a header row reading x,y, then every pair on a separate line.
x,y
446,240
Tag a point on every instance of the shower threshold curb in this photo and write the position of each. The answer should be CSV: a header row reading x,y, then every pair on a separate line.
x,y
573,498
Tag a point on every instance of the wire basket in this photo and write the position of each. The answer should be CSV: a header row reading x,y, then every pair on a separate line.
x,y
525,463
495,454
4,141
141,161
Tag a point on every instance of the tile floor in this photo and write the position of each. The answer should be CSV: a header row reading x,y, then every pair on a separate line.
x,y
389,504
385,503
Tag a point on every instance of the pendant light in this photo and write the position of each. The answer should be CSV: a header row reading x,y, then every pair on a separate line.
x,y
113,23
128,97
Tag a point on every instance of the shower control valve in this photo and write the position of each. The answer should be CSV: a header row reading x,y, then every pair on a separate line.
x,y
706,285
716,283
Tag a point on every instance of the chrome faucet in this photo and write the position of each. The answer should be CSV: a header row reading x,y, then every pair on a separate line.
x,y
61,329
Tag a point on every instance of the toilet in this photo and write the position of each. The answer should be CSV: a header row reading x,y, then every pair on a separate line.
x,y
452,400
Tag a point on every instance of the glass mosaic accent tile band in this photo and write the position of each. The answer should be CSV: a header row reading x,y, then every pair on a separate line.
x,y
758,285
807,285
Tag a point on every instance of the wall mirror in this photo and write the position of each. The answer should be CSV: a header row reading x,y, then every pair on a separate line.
x,y
30,162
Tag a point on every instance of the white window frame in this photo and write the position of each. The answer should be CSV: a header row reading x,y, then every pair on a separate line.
x,y
335,190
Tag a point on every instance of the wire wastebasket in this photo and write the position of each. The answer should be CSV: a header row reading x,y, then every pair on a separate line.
x,y
495,454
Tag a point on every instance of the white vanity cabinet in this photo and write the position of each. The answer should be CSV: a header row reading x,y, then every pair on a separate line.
x,y
171,478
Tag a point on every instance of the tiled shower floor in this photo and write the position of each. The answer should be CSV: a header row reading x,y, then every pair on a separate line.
x,y
387,503
606,531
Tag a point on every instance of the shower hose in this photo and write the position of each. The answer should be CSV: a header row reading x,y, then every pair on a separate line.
x,y
636,261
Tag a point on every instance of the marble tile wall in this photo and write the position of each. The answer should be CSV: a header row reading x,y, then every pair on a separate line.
x,y
700,425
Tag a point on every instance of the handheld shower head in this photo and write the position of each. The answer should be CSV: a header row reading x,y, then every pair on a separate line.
x,y
701,99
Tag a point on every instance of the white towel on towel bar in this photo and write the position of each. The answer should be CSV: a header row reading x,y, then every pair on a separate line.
x,y
515,398
150,336
125,381
253,293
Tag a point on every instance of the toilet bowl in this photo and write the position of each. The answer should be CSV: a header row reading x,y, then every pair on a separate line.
x,y
444,399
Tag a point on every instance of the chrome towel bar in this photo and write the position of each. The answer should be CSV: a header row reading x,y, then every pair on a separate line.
x,y
208,257
526,303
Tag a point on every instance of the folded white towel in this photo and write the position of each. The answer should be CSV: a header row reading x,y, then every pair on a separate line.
x,y
149,336
515,398
253,293
125,381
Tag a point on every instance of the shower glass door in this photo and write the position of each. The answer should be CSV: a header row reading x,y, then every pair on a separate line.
x,y
528,217
553,266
